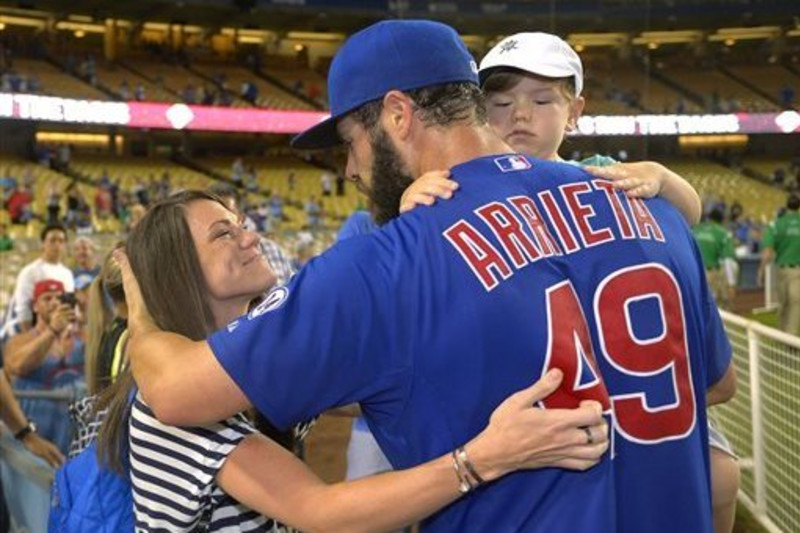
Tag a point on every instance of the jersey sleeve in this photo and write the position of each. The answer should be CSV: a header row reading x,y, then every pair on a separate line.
x,y
321,341
359,223
718,347
173,470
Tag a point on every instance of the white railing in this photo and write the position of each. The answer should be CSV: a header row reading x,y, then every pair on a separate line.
x,y
763,421
770,288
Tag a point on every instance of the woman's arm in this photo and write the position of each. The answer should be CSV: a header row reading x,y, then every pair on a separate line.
x,y
272,481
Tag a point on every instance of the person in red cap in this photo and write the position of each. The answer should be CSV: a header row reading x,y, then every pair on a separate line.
x,y
47,357
49,265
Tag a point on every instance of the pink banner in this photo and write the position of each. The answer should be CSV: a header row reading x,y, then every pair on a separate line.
x,y
155,115
260,120
181,116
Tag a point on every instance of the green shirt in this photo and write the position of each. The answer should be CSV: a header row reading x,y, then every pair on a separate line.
x,y
783,236
715,243
6,244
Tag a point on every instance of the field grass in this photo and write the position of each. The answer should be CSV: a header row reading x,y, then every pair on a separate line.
x,y
746,522
768,319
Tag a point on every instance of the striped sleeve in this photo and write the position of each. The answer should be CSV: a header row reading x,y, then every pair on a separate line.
x,y
173,469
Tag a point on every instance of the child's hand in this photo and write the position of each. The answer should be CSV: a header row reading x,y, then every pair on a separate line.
x,y
427,188
638,180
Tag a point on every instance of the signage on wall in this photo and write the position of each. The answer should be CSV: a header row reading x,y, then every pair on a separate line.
x,y
262,120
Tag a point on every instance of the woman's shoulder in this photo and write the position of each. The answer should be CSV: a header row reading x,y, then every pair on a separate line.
x,y
219,438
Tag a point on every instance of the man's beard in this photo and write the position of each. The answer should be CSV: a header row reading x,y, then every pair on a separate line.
x,y
390,179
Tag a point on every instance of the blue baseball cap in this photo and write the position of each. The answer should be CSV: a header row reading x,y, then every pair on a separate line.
x,y
391,55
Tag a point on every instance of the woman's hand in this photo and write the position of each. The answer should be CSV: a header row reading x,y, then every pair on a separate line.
x,y
139,319
522,436
427,188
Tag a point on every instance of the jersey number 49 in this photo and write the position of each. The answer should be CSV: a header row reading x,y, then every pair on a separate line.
x,y
658,366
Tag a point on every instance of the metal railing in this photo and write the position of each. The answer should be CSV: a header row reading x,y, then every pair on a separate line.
x,y
26,481
763,420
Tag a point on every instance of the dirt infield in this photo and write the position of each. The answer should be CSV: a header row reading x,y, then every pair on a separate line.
x,y
326,447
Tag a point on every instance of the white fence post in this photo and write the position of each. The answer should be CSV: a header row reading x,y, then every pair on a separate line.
x,y
759,469
769,291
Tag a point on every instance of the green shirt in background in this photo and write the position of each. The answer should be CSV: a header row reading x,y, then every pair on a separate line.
x,y
715,243
783,236
6,244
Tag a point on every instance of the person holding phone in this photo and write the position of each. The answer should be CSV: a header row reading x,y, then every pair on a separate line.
x,y
49,265
49,356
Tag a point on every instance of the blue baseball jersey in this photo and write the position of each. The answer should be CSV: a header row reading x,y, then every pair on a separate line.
x,y
434,319
358,223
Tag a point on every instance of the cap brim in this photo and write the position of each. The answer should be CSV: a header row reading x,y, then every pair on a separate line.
x,y
544,71
318,137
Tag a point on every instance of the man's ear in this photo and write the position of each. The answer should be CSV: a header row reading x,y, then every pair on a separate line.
x,y
398,114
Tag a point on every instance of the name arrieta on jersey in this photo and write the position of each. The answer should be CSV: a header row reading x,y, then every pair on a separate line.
x,y
511,234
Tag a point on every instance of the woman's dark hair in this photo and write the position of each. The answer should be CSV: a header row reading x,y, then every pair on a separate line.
x,y
164,259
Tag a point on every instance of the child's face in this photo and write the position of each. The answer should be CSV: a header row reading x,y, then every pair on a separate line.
x,y
533,115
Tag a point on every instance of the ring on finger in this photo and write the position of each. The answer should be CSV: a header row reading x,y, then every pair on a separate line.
x,y
589,437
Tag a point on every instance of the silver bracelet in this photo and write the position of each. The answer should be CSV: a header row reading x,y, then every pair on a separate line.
x,y
464,483
462,455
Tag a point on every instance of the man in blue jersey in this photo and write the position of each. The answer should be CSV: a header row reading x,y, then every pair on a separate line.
x,y
433,319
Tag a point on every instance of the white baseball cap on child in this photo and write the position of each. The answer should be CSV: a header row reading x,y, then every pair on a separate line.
x,y
539,53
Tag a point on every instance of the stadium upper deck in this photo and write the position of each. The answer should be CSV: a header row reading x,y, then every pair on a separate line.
x,y
749,67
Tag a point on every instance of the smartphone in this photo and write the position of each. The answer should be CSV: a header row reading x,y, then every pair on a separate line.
x,y
69,299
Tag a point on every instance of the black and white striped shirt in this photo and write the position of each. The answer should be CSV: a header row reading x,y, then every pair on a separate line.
x,y
173,473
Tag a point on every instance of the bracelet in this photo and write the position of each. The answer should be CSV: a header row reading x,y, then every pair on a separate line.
x,y
464,483
462,455
29,428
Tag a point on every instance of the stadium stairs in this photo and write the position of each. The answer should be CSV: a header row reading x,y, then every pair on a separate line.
x,y
756,175
282,86
666,80
182,160
73,173
791,68
233,92
750,85
139,74
50,58
746,170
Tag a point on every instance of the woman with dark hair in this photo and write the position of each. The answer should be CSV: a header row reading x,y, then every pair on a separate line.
x,y
198,270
